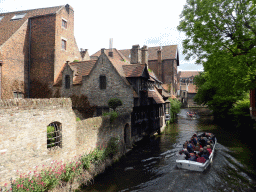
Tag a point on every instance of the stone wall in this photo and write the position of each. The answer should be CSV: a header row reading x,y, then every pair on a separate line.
x,y
23,134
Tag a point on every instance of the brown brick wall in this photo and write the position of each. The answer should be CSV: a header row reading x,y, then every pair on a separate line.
x,y
14,54
42,53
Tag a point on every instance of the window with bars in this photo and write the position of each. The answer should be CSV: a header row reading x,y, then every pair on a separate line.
x,y
64,24
63,44
54,136
103,83
67,81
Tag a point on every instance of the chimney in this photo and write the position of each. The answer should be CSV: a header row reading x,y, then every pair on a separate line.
x,y
83,52
135,54
110,53
102,50
144,55
67,7
159,56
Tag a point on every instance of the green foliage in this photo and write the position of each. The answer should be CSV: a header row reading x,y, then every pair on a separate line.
x,y
78,119
175,105
212,26
113,115
50,135
221,34
113,103
149,70
75,61
112,147
175,108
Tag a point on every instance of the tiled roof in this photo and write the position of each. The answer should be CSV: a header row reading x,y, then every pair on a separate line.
x,y
165,94
8,27
165,87
153,75
184,74
82,68
192,88
168,52
156,96
133,70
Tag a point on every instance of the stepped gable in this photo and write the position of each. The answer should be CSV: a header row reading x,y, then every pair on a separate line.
x,y
9,26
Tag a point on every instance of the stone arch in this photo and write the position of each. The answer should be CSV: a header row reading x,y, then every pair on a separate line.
x,y
54,135
127,134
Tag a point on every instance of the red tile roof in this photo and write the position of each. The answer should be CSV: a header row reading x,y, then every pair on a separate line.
x,y
184,74
191,88
166,87
168,52
134,70
8,27
82,68
156,96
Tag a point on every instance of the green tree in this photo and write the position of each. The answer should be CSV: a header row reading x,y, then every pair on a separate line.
x,y
113,103
221,34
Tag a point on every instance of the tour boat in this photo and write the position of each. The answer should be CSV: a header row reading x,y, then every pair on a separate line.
x,y
196,166
192,115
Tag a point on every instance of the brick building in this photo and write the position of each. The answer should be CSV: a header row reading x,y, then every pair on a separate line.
x,y
34,45
186,87
110,75
163,61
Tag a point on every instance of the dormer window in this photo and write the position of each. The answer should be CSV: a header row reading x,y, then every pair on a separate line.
x,y
1,17
64,24
18,16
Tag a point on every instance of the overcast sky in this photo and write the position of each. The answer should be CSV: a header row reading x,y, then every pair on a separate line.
x,y
143,22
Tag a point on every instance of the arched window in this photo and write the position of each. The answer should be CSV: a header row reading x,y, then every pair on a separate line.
x,y
54,135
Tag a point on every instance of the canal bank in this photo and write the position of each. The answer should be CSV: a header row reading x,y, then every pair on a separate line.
x,y
150,166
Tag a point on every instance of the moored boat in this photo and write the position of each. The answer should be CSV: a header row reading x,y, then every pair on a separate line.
x,y
196,166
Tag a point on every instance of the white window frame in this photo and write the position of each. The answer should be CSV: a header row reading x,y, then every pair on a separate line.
x,y
18,16
66,23
63,39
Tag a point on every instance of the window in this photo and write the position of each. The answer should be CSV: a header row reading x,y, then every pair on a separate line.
x,y
1,17
54,136
64,24
18,16
67,81
17,94
102,82
63,44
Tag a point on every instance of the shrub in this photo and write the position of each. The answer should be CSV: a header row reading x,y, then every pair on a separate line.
x,y
113,103
78,119
112,147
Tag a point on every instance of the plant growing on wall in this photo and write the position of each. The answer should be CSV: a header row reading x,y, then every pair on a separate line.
x,y
113,103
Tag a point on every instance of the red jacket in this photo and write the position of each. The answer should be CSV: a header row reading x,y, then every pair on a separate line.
x,y
201,160
209,150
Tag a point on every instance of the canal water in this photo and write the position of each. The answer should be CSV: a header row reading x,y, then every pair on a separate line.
x,y
150,166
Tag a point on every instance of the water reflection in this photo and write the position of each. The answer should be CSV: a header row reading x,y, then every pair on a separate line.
x,y
151,164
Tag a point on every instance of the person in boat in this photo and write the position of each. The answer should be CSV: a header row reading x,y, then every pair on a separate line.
x,y
187,154
205,154
197,148
209,143
200,159
192,156
181,155
209,149
190,147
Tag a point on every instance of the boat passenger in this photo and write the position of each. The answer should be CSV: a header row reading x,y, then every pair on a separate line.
x,y
209,149
181,155
200,159
197,148
190,147
192,157
209,143
187,154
